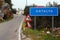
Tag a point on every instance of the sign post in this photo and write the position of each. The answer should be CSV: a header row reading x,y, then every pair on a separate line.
x,y
35,23
43,11
28,20
52,22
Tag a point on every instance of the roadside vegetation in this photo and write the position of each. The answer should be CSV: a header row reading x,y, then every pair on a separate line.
x,y
38,35
44,29
7,19
6,13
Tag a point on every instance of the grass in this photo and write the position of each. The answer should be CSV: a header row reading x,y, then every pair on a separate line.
x,y
7,19
38,35
1,21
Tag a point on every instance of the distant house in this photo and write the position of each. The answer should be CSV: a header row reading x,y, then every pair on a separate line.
x,y
20,12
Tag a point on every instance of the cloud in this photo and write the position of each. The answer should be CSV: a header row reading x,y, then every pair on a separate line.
x,y
22,3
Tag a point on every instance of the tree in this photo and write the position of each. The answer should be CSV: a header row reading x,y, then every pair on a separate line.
x,y
9,2
26,10
14,11
48,4
1,2
43,22
55,4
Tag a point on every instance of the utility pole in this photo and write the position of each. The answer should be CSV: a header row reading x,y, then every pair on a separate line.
x,y
26,2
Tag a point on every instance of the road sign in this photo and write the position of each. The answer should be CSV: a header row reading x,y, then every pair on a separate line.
x,y
43,11
29,25
28,18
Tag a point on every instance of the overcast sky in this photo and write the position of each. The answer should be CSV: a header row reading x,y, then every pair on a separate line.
x,y
21,3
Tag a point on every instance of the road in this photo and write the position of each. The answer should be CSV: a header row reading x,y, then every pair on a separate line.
x,y
8,30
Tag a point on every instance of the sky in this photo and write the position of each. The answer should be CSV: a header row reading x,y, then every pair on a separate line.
x,y
22,3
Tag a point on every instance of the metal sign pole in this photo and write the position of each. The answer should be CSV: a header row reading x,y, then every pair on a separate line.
x,y
52,23
35,26
35,23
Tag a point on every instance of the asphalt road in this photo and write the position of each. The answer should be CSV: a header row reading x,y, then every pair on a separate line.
x,y
8,30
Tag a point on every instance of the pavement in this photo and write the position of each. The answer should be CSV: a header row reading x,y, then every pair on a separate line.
x,y
9,30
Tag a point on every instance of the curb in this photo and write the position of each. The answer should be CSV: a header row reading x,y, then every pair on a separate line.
x,y
20,30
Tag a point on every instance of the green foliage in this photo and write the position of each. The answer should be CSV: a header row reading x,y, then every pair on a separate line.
x,y
9,2
39,35
43,22
26,10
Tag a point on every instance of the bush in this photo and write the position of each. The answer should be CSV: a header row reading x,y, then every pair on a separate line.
x,y
43,22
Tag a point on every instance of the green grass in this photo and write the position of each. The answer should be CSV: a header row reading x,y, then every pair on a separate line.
x,y
1,21
7,19
38,35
